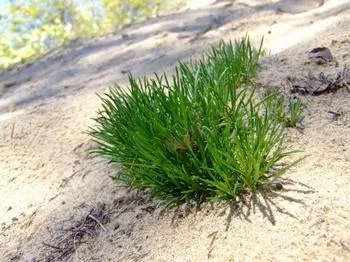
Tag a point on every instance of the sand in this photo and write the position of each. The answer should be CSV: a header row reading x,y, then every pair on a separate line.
x,y
49,184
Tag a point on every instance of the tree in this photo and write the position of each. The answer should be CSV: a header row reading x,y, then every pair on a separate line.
x,y
32,27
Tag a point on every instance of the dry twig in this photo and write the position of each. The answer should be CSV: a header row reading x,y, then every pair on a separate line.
x,y
321,84
68,241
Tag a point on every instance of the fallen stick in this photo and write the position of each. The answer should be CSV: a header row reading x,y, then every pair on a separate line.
x,y
97,221
13,129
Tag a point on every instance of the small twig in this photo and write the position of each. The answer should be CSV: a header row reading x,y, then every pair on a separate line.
x,y
13,129
120,212
52,246
79,228
209,253
345,247
336,114
98,222
68,243
74,244
213,235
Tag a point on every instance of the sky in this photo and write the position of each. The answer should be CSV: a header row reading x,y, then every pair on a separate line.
x,y
3,4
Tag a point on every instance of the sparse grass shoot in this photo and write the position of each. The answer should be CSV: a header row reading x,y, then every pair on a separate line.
x,y
295,111
287,110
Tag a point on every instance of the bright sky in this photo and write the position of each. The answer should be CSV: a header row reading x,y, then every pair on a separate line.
x,y
3,3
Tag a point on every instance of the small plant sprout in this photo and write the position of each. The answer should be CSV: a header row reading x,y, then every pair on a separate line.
x,y
286,110
295,111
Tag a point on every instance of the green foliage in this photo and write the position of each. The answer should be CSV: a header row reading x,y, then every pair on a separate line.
x,y
32,27
129,11
200,135
295,111
287,110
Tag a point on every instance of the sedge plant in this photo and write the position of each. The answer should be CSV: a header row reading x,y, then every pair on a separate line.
x,y
199,134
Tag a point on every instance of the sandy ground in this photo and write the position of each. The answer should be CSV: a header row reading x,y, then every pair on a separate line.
x,y
50,187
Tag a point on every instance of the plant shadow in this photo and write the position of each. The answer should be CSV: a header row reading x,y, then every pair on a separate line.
x,y
266,202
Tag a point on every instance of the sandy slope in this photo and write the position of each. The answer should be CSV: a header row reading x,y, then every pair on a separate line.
x,y
48,182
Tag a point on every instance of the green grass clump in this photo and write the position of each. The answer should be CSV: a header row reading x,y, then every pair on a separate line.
x,y
199,135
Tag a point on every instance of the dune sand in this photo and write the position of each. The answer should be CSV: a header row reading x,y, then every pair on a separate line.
x,y
49,185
